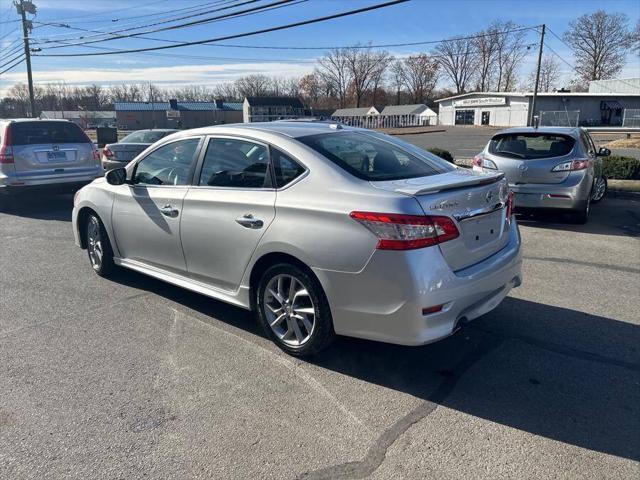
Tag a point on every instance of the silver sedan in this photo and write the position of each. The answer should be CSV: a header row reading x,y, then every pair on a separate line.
x,y
320,229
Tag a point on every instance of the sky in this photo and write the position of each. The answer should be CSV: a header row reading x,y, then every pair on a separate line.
x,y
208,65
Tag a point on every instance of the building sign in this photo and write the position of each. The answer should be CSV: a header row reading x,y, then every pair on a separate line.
x,y
173,113
480,102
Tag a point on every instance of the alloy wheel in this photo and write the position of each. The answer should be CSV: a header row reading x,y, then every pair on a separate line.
x,y
289,310
94,244
600,189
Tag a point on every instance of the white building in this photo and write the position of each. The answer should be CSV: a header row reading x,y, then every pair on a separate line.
x,y
409,115
511,109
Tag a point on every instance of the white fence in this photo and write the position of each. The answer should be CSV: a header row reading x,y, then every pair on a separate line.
x,y
387,121
631,118
559,118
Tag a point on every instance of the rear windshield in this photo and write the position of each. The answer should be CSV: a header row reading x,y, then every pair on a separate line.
x,y
35,133
145,136
373,159
531,146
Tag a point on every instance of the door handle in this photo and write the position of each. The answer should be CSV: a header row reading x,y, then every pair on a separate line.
x,y
169,211
249,221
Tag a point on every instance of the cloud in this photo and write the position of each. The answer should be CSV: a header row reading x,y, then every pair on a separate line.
x,y
172,76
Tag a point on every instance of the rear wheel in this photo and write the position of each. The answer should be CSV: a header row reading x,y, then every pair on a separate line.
x,y
581,216
599,190
293,310
98,247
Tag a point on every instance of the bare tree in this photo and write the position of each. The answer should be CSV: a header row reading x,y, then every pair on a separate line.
x,y
256,85
397,78
226,91
510,51
599,41
335,73
420,73
364,66
549,75
486,46
310,88
635,38
458,60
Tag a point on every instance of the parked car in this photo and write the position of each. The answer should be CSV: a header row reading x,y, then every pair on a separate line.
x,y
320,229
115,155
548,168
45,154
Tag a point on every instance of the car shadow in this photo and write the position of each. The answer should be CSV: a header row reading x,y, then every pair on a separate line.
x,y
612,216
553,372
39,206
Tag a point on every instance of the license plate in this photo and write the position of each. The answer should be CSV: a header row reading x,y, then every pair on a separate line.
x,y
54,156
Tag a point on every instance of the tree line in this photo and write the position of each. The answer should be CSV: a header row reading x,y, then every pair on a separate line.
x,y
489,60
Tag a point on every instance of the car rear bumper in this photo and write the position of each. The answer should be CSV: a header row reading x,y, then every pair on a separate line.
x,y
572,194
385,300
111,164
16,182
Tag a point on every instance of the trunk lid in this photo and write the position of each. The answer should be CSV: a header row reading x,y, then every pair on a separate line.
x,y
125,152
477,204
519,171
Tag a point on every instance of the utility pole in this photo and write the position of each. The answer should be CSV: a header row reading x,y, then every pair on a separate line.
x,y
23,7
535,90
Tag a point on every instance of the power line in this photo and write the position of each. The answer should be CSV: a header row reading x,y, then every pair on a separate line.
x,y
107,12
266,8
12,66
21,54
114,36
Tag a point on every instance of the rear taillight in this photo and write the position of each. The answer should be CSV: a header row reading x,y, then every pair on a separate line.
x,y
6,150
571,166
107,153
407,232
479,162
96,154
509,205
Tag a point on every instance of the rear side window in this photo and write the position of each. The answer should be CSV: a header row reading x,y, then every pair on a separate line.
x,y
285,168
144,137
34,133
370,158
531,146
235,163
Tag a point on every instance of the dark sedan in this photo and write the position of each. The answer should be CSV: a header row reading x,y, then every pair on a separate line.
x,y
115,155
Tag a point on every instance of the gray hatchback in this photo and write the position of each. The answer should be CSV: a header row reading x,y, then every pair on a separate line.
x,y
548,168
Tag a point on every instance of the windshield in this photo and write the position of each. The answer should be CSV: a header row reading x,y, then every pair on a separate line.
x,y
145,136
371,158
35,133
531,146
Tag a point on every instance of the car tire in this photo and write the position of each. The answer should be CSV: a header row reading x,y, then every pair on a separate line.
x,y
296,317
600,188
98,246
580,217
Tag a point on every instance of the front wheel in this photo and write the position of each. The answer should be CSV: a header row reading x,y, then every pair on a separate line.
x,y
98,247
293,310
599,190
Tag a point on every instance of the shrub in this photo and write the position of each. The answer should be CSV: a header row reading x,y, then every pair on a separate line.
x,y
444,154
622,168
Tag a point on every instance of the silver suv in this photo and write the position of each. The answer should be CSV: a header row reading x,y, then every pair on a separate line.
x,y
548,168
320,229
45,153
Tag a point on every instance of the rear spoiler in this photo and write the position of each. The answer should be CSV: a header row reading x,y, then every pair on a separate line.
x,y
449,183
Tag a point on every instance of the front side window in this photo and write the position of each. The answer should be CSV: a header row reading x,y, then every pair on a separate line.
x,y
531,146
168,165
286,169
235,163
370,158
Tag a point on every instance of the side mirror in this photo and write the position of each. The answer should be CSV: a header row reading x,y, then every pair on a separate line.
x,y
604,152
117,176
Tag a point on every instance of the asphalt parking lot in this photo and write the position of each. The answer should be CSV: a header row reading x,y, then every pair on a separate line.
x,y
131,378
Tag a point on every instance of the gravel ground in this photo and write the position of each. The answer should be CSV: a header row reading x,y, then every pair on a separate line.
x,y
132,378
